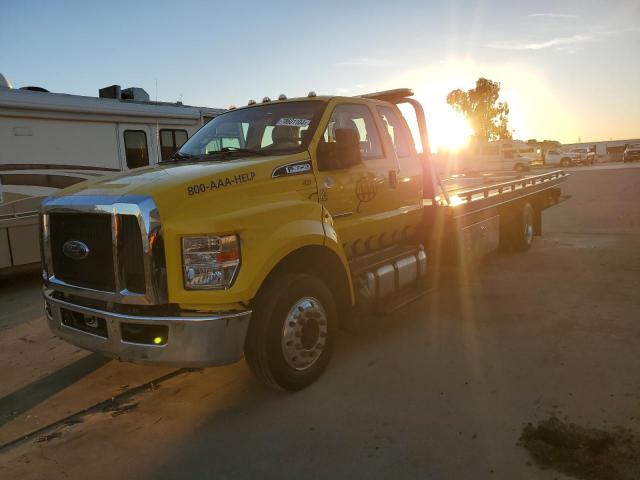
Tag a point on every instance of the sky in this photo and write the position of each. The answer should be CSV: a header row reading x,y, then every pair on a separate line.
x,y
570,70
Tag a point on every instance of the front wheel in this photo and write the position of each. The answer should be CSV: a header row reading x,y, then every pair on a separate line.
x,y
565,162
290,337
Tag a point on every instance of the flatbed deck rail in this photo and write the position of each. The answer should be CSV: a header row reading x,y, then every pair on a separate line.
x,y
497,193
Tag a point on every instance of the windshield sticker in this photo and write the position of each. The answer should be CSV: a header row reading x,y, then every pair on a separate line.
x,y
222,182
293,122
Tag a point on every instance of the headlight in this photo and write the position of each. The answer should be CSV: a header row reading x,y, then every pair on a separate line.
x,y
210,262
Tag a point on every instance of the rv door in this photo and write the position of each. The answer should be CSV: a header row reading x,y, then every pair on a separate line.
x,y
137,146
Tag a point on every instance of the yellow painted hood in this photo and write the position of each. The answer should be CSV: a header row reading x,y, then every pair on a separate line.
x,y
160,178
182,186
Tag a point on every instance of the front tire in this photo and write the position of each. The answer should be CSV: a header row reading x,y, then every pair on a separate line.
x,y
292,329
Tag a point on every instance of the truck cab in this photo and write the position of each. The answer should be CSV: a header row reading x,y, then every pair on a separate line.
x,y
270,227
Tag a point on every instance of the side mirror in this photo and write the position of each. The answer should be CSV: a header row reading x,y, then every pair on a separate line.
x,y
343,153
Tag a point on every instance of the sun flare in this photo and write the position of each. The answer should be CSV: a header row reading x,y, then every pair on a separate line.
x,y
449,131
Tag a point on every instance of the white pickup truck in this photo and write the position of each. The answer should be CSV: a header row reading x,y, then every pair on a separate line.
x,y
586,155
562,158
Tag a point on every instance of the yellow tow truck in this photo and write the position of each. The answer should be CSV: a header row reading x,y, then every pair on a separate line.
x,y
270,227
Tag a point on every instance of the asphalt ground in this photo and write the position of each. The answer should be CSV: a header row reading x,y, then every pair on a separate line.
x,y
441,389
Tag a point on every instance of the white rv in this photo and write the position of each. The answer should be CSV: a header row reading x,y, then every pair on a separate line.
x,y
49,141
499,156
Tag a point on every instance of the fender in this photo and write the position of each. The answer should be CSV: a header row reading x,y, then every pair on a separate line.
x,y
263,254
333,243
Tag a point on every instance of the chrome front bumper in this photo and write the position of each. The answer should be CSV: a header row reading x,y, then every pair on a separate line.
x,y
192,341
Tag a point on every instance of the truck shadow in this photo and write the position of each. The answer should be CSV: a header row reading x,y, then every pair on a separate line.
x,y
37,392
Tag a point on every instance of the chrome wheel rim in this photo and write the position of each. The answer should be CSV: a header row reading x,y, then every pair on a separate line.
x,y
304,333
528,229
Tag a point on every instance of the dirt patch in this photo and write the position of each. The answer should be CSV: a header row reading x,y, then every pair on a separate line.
x,y
585,453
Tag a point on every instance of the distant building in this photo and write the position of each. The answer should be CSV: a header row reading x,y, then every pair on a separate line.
x,y
606,151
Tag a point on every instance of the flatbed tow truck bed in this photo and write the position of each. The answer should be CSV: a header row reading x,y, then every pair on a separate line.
x,y
494,190
482,213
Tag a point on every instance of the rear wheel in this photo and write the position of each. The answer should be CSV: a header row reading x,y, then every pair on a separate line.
x,y
516,232
290,337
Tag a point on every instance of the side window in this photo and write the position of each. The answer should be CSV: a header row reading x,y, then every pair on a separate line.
x,y
490,150
396,130
135,146
358,118
170,141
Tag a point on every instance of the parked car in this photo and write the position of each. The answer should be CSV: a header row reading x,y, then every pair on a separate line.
x,y
586,156
562,158
631,153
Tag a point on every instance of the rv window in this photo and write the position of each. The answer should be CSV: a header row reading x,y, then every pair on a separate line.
x,y
491,150
180,137
135,145
395,129
170,141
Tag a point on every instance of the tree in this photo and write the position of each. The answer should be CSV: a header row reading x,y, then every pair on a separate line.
x,y
487,117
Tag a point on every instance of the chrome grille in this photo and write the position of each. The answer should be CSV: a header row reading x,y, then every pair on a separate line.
x,y
125,263
93,230
130,253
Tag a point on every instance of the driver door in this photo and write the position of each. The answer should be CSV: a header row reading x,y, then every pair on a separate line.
x,y
357,196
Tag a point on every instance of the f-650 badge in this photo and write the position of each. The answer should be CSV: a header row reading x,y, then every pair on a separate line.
x,y
292,169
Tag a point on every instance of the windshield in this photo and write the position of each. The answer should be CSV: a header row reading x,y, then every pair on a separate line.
x,y
634,146
579,150
268,129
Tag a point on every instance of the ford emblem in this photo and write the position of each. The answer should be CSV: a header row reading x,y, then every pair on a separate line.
x,y
75,250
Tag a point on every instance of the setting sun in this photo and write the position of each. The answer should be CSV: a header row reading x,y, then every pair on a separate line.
x,y
449,131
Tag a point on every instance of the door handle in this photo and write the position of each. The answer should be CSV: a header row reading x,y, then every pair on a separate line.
x,y
393,178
